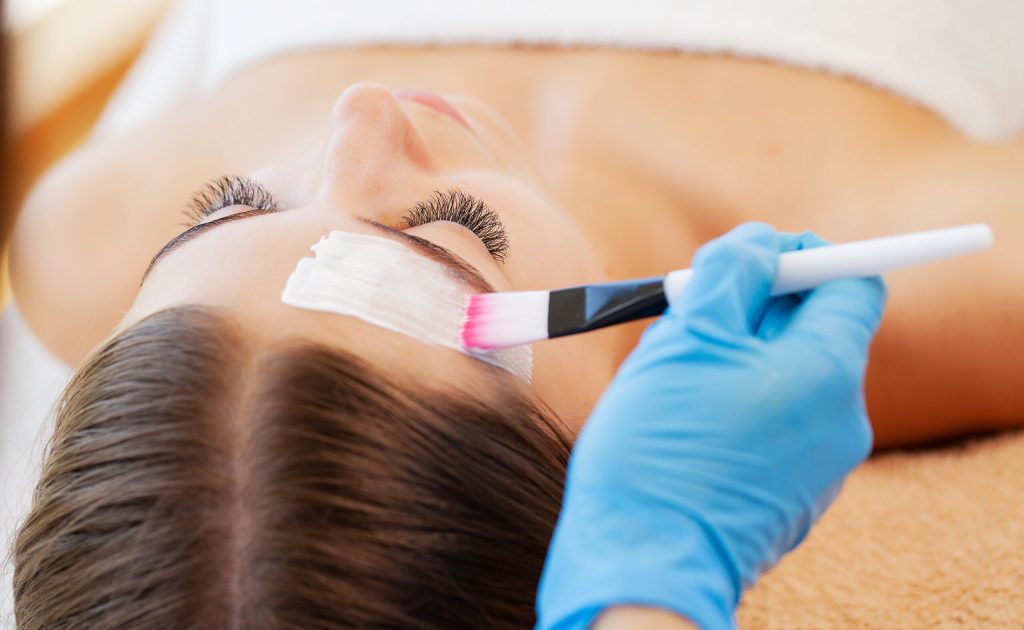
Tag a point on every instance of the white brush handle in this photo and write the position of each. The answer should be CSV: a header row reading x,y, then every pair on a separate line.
x,y
808,268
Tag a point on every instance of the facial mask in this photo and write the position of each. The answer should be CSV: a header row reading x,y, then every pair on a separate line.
x,y
383,283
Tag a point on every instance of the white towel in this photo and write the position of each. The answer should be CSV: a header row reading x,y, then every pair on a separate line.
x,y
30,381
962,59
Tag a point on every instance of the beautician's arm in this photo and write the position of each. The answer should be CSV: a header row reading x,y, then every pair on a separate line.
x,y
723,437
637,618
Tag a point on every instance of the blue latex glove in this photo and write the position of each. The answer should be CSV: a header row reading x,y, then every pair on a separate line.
x,y
723,437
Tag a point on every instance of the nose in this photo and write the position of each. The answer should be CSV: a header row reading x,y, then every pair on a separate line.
x,y
373,145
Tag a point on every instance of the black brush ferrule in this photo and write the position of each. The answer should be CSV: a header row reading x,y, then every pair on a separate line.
x,y
580,309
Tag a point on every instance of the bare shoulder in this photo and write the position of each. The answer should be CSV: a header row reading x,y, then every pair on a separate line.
x,y
55,273
74,249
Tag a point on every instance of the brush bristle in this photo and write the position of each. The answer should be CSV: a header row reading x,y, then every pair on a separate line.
x,y
499,320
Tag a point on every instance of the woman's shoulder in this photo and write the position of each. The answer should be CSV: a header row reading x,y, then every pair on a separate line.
x,y
71,233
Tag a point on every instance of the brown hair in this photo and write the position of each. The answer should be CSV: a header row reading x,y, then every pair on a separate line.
x,y
192,483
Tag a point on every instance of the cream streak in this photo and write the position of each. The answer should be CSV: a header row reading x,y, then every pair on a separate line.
x,y
383,283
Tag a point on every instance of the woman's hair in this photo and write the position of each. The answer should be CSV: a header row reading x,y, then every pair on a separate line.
x,y
192,483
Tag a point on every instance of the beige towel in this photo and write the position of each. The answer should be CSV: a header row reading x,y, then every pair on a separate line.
x,y
925,539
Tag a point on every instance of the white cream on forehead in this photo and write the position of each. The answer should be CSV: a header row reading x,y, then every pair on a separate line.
x,y
385,284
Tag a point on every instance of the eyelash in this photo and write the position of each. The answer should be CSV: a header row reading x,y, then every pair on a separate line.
x,y
453,205
466,210
230,190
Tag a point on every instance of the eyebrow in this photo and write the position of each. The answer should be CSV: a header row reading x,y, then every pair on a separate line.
x,y
430,250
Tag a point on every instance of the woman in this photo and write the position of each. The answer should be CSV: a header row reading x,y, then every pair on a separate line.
x,y
600,163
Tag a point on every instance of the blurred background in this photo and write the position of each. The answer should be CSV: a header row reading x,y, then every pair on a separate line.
x,y
61,61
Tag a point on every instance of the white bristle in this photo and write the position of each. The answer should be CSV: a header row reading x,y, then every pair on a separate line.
x,y
499,320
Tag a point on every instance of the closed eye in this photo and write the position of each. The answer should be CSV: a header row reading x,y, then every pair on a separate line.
x,y
465,272
230,190
468,211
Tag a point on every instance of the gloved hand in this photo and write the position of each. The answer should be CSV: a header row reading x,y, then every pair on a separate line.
x,y
723,437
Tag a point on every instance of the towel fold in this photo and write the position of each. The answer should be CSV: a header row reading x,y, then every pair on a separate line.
x,y
922,539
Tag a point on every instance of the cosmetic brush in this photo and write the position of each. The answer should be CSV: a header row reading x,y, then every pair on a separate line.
x,y
499,320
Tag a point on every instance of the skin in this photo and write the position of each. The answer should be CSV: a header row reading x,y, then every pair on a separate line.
x,y
628,617
382,155
603,164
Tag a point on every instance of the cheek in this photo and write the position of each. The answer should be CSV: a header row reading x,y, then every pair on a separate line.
x,y
547,249
551,252
294,179
494,131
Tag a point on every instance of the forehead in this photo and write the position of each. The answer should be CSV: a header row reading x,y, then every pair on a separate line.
x,y
244,268
382,283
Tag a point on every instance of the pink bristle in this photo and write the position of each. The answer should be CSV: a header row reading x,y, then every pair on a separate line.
x,y
477,306
496,320
471,339
477,312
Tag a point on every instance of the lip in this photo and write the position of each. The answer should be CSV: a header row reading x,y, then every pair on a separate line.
x,y
434,102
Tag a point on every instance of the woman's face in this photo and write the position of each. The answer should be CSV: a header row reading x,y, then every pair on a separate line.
x,y
387,152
